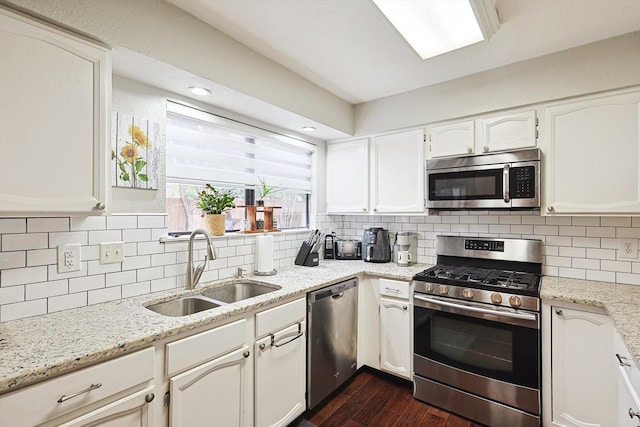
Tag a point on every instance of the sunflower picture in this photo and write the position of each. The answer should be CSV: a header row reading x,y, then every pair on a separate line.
x,y
133,153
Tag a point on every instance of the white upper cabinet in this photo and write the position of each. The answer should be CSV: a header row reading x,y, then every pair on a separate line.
x,y
398,173
485,134
348,177
452,139
55,93
508,132
592,156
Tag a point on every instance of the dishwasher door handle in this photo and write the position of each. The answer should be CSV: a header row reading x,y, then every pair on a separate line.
x,y
337,296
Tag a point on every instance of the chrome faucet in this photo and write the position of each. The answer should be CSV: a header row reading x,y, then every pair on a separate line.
x,y
193,274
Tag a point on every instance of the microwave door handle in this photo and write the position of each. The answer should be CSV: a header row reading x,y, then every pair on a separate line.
x,y
505,183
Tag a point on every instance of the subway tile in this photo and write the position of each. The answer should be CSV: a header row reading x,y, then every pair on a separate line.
x,y
130,249
558,240
628,233
163,259
509,219
558,220
88,223
442,228
534,220
150,273
586,242
136,289
451,220
617,266
574,273
572,231
609,243
587,221
121,222
226,252
92,253
607,254
615,221
165,284
12,260
469,219
558,261
45,225
550,250
572,252
588,264
58,239
41,257
142,235
628,279
601,276
24,309
104,295
104,236
67,302
95,268
488,219
13,225
120,278
151,221
499,229
46,289
550,230
22,276
24,242
549,270
601,232
146,248
11,294
52,272
479,228
522,229
87,283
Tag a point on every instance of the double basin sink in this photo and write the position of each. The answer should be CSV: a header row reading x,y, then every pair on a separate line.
x,y
211,298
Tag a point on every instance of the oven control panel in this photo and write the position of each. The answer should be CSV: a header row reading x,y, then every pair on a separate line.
x,y
484,245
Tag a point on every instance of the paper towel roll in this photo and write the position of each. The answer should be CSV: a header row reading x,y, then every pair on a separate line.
x,y
264,254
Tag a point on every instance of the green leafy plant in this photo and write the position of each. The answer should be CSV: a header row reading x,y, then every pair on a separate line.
x,y
214,201
264,190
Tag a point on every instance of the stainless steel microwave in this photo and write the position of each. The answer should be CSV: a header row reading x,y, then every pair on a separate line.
x,y
507,180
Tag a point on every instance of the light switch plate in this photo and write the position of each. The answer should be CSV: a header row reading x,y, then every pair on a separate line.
x,y
69,258
112,252
628,249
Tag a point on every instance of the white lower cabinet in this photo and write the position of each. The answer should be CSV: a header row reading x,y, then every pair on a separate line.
x,y
396,320
116,392
214,393
628,379
579,385
368,323
280,365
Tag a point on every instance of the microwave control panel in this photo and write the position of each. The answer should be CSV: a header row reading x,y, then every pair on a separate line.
x,y
522,183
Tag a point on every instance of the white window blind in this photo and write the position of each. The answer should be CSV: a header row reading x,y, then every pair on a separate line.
x,y
202,147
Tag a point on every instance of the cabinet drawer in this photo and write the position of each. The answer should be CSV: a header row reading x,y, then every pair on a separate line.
x,y
394,288
196,349
42,402
278,317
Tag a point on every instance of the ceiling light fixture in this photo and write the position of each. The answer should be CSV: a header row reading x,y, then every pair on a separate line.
x,y
308,128
436,27
200,91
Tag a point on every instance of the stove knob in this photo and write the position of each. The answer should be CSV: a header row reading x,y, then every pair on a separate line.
x,y
467,293
515,301
443,290
496,298
428,287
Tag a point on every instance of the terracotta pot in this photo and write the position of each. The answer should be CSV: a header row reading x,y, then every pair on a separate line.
x,y
215,224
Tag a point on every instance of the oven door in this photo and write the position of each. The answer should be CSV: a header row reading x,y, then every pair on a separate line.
x,y
489,351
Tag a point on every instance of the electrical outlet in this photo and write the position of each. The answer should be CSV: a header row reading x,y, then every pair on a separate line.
x,y
112,252
628,249
69,258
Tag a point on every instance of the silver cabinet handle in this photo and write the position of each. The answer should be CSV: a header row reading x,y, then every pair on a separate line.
x,y
505,183
262,346
633,413
559,312
395,291
364,209
405,308
485,148
621,360
100,206
375,209
149,397
64,397
469,150
297,335
550,209
246,354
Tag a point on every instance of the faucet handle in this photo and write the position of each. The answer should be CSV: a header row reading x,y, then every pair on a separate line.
x,y
240,271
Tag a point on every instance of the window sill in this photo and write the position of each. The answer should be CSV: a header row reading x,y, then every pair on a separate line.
x,y
230,235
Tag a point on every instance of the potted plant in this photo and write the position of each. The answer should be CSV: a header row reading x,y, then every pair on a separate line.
x,y
214,203
264,190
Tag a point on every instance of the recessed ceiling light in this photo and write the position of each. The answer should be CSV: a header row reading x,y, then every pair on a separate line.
x,y
436,27
200,91
308,128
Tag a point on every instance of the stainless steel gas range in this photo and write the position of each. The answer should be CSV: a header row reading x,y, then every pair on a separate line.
x,y
477,330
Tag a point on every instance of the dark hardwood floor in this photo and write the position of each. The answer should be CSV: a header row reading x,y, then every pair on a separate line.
x,y
373,399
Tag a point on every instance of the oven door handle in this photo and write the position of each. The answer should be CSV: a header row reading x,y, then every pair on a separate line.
x,y
505,183
524,319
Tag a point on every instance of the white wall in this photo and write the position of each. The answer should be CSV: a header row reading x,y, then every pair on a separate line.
x,y
600,66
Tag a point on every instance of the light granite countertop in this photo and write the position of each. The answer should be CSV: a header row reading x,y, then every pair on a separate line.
x,y
622,303
41,347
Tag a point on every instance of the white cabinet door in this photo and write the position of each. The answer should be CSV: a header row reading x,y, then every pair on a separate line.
x,y
593,156
130,411
348,177
214,393
368,324
583,377
508,132
395,337
397,173
280,376
452,139
54,115
628,377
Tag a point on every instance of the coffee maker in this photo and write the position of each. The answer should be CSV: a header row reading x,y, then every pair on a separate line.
x,y
376,246
406,241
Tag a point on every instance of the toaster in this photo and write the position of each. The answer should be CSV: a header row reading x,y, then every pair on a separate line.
x,y
348,249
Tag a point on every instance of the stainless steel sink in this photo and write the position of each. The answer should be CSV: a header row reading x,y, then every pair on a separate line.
x,y
183,306
234,292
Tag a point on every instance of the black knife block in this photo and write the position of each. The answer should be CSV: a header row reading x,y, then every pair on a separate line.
x,y
306,257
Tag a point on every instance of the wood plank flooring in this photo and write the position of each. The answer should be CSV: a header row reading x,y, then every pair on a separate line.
x,y
375,399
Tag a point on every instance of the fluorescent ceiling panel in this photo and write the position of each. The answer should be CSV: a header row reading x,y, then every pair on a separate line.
x,y
434,27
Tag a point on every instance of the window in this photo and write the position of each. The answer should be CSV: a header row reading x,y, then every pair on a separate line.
x,y
205,148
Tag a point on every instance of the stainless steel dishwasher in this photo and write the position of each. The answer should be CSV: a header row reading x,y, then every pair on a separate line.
x,y
332,339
